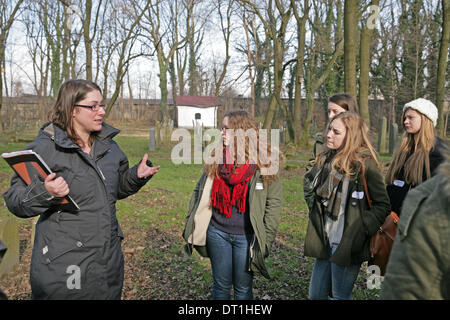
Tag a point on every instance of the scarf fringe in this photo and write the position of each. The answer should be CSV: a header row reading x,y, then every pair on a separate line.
x,y
220,193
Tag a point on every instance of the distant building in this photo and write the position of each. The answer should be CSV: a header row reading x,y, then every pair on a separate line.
x,y
195,109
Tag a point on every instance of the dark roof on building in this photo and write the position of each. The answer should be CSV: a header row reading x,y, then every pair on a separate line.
x,y
197,101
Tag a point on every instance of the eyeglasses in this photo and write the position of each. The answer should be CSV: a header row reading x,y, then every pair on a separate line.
x,y
95,107
224,128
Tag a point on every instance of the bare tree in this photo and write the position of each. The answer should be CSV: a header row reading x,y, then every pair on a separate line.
x,y
251,63
157,24
364,57
226,28
301,36
89,33
7,16
276,32
127,20
320,59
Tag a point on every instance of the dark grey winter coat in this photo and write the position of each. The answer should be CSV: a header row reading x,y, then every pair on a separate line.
x,y
77,255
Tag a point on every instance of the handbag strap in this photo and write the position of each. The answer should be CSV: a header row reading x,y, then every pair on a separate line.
x,y
363,177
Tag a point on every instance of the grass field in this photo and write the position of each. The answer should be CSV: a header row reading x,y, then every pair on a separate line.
x,y
153,220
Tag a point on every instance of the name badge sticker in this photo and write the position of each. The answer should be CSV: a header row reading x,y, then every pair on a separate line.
x,y
399,183
358,195
259,186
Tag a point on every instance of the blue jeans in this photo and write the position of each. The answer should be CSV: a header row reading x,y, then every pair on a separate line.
x,y
331,281
229,254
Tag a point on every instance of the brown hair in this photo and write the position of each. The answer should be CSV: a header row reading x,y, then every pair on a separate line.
x,y
71,92
355,147
344,100
240,119
419,144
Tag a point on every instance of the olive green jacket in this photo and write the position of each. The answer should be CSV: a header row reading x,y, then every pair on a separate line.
x,y
419,265
360,221
265,208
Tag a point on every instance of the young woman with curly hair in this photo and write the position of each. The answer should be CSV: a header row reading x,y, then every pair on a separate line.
x,y
235,210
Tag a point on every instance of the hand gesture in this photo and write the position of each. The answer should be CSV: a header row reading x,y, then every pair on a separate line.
x,y
145,171
56,187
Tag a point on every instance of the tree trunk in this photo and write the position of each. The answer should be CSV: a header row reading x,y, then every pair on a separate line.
x,y
251,64
164,91
350,42
442,66
301,36
5,25
87,38
364,56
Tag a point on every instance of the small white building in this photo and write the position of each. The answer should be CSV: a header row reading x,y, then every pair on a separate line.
x,y
195,109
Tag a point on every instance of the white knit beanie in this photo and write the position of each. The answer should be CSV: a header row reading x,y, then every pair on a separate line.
x,y
425,107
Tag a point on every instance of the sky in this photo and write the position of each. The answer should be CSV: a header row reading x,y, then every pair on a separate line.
x,y
143,71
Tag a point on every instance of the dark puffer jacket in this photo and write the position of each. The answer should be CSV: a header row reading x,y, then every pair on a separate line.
x,y
77,255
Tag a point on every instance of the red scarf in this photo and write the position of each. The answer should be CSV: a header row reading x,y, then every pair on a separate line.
x,y
239,179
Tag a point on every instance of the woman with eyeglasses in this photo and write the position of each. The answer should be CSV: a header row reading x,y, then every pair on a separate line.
x,y
77,254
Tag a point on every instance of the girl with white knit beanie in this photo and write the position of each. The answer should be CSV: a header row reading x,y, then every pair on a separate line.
x,y
419,154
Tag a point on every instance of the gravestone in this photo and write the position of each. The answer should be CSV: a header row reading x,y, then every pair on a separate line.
x,y
9,234
382,136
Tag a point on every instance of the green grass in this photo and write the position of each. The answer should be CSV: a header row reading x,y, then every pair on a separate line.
x,y
159,210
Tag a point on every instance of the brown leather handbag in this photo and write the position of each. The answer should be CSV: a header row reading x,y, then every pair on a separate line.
x,y
382,241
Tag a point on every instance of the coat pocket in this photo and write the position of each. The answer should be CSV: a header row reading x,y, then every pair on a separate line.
x,y
58,240
56,248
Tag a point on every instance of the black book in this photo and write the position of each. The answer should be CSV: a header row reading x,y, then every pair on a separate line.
x,y
30,166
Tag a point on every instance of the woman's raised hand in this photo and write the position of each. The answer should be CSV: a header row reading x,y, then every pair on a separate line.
x,y
145,171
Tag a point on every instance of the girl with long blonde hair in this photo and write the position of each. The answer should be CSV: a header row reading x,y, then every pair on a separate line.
x,y
235,211
419,154
340,219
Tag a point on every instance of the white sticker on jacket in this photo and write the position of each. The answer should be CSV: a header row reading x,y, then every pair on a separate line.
x,y
399,183
358,195
45,250
259,186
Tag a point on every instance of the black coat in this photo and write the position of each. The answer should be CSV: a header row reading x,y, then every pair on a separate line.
x,y
77,255
397,193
